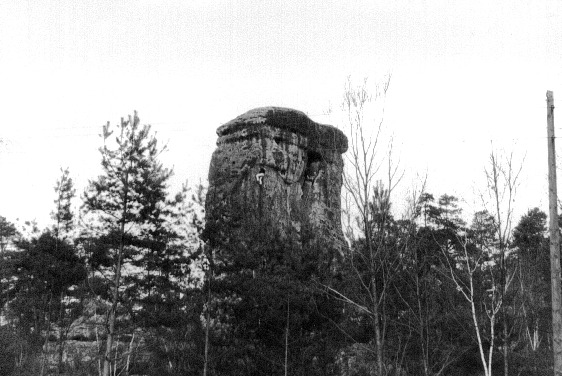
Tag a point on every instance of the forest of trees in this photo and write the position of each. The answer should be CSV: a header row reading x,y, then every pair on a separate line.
x,y
134,283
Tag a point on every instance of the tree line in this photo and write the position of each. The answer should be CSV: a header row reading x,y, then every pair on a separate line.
x,y
123,269
138,283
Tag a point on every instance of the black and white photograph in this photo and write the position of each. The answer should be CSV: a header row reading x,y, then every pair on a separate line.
x,y
280,188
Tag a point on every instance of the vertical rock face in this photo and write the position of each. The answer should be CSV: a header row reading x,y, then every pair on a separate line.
x,y
301,173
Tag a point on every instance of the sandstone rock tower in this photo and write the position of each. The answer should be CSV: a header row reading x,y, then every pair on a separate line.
x,y
301,173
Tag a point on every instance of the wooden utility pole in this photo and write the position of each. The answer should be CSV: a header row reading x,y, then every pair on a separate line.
x,y
554,241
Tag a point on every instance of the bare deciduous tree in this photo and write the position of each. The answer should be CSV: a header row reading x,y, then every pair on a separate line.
x,y
503,180
463,268
482,262
367,199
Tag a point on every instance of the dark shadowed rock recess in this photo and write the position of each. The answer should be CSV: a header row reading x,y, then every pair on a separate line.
x,y
301,163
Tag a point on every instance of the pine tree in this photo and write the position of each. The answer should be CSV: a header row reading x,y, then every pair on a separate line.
x,y
123,203
62,216
532,280
42,270
62,229
267,314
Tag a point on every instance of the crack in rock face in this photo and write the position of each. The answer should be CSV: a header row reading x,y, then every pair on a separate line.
x,y
275,165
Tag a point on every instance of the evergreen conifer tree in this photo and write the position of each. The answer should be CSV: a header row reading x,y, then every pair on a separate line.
x,y
124,204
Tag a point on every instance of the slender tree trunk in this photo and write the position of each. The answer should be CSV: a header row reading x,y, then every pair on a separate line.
x,y
505,345
492,336
375,298
130,352
207,325
98,346
116,282
469,296
287,341
422,332
378,337
113,309
115,359
61,339
502,238
505,349
46,344
487,371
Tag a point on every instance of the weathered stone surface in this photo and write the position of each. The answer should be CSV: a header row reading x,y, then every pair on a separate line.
x,y
302,164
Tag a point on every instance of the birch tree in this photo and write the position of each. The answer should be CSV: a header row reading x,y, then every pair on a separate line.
x,y
471,268
480,266
502,176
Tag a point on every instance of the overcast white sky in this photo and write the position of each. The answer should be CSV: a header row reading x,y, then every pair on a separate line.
x,y
465,74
